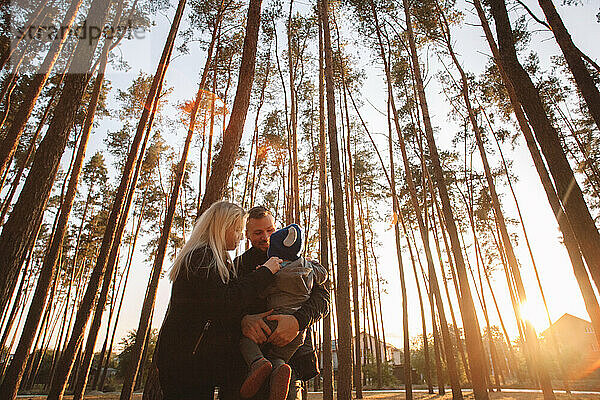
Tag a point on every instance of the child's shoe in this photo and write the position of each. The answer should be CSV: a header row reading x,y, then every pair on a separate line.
x,y
280,382
259,371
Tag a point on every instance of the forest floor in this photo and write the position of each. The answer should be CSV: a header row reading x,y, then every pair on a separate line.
x,y
511,394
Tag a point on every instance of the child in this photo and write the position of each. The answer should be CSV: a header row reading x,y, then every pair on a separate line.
x,y
291,288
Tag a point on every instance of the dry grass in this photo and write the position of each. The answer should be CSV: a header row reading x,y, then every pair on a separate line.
x,y
380,396
448,396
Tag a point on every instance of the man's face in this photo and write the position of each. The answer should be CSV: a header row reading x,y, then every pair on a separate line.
x,y
259,230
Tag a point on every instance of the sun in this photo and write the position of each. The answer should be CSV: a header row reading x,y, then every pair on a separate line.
x,y
535,313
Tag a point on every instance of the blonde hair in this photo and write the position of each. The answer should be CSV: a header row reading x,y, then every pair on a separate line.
x,y
209,231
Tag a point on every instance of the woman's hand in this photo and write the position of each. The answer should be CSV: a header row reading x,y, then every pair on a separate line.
x,y
274,264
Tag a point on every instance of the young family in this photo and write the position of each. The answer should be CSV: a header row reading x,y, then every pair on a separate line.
x,y
243,325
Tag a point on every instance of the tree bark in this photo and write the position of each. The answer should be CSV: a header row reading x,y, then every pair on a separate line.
x,y
344,388
327,372
67,359
11,138
34,16
567,187
149,300
434,287
582,76
470,323
570,241
350,201
225,160
37,187
9,386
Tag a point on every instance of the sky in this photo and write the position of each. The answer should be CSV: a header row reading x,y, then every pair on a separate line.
x,y
557,279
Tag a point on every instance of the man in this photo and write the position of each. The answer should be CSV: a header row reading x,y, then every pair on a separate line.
x,y
259,227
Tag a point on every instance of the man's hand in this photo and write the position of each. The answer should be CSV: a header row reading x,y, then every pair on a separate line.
x,y
287,329
254,328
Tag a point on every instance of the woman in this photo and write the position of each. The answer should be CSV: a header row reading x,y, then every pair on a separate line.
x,y
198,338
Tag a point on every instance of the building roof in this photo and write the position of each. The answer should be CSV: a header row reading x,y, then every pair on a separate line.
x,y
389,346
565,319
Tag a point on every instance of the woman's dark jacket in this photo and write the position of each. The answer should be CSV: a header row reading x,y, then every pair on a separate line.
x,y
200,296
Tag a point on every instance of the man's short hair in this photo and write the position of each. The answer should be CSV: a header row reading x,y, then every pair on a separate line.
x,y
258,212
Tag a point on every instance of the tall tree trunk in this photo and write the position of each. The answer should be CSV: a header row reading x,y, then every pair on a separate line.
x,y
293,120
106,349
14,337
67,359
254,144
327,372
428,380
370,292
480,293
435,209
149,300
481,266
30,151
434,287
470,323
112,306
11,138
33,17
570,241
33,355
437,344
211,126
567,187
128,269
530,334
37,187
145,354
286,208
18,304
513,295
378,279
350,200
48,328
225,160
512,362
572,54
10,384
344,388
397,211
455,327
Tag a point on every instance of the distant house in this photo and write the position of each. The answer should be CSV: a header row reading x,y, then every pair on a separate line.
x,y
577,344
390,354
